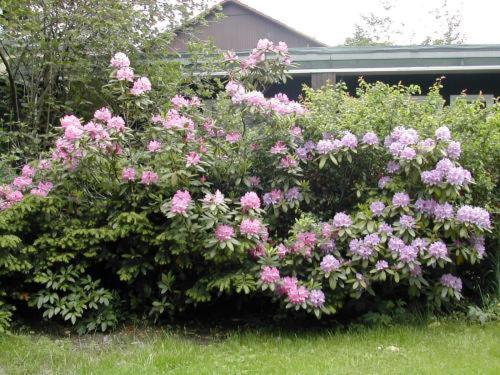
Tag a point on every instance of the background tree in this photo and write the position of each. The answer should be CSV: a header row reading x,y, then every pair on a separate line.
x,y
53,54
383,27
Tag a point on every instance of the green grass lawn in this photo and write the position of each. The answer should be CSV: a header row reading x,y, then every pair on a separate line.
x,y
438,348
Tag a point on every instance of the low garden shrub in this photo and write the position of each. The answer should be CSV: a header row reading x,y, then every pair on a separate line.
x,y
161,206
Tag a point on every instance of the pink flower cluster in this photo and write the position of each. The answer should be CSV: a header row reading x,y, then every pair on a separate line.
x,y
279,104
474,215
224,232
400,200
121,62
329,263
13,193
341,220
450,281
250,227
365,247
269,275
215,199
446,171
438,250
180,202
179,102
258,54
250,201
400,143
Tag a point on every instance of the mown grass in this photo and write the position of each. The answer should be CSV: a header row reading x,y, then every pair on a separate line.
x,y
436,348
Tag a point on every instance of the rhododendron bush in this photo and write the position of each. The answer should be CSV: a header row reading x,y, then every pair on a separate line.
x,y
231,196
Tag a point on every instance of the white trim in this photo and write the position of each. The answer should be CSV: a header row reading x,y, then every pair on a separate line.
x,y
408,69
391,55
402,69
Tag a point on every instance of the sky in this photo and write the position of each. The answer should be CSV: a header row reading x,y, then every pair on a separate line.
x,y
335,19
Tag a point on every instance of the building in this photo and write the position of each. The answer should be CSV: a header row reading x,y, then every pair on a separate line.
x,y
473,69
240,29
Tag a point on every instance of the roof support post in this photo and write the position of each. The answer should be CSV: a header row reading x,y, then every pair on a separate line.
x,y
319,80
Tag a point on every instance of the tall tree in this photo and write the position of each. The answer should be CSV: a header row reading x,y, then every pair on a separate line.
x,y
53,51
381,28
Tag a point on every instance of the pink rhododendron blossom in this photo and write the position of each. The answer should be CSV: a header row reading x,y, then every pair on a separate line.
x,y
73,133
120,60
341,220
180,202
317,298
298,295
233,137
295,131
383,181
370,138
216,199
116,123
22,182
250,201
393,167
224,232
474,215
149,178
349,140
103,114
408,254
43,189
14,196
192,159
141,85
381,265
438,250
281,250
478,245
258,251
230,55
28,171
400,200
254,180
269,275
125,74
128,174
179,102
279,148
250,227
453,150
407,222
450,281
377,208
70,120
286,284
443,133
272,198
293,194
44,164
329,263
154,146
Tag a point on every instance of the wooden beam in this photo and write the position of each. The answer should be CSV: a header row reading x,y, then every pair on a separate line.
x,y
319,80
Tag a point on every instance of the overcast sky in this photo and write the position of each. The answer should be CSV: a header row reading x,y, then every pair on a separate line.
x,y
331,21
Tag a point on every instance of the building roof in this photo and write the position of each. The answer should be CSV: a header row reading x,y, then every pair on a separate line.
x,y
273,20
395,59
239,30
